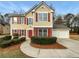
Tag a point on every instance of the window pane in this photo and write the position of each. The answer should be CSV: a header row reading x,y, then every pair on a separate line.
x,y
40,32
30,21
40,16
44,16
44,32
22,20
15,19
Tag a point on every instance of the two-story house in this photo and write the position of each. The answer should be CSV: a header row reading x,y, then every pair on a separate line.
x,y
38,21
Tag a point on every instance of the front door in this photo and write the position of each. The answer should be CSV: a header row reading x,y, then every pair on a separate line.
x,y
30,33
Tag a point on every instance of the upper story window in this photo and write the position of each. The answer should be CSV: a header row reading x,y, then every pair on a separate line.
x,y
14,20
42,16
21,20
18,20
30,21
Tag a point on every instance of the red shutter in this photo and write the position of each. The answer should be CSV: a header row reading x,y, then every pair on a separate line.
x,y
36,17
48,17
49,32
25,20
18,20
30,33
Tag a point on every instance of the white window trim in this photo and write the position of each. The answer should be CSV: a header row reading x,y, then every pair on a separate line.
x,y
43,12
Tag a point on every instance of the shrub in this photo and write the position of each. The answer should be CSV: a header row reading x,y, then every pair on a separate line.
x,y
5,43
15,37
22,39
43,40
15,40
7,37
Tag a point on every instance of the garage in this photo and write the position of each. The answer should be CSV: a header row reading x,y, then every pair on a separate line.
x,y
61,33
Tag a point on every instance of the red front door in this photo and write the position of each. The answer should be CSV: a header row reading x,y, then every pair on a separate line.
x,y
30,33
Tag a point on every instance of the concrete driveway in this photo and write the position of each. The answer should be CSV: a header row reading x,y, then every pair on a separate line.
x,y
71,51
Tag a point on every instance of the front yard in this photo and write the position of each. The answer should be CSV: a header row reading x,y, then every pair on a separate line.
x,y
12,52
74,36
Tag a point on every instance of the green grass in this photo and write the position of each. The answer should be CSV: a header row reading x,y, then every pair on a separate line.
x,y
12,52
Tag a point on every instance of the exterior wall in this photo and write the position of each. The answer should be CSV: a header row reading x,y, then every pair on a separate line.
x,y
49,31
60,33
43,23
35,24
43,8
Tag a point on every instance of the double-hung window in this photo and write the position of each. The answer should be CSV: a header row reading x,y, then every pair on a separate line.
x,y
30,21
21,20
42,16
42,33
14,20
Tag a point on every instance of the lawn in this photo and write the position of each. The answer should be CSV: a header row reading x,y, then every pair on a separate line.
x,y
74,36
12,52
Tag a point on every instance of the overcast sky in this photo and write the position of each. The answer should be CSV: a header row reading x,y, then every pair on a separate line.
x,y
61,7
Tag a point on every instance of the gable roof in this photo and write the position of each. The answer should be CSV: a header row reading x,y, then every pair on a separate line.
x,y
36,6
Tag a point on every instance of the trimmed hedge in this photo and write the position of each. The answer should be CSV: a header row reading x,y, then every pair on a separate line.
x,y
7,41
22,39
15,40
43,40
7,37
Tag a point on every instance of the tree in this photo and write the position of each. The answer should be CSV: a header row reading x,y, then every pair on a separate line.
x,y
1,19
59,19
6,18
75,24
68,19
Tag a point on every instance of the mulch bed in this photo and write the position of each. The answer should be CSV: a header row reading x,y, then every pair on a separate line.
x,y
52,46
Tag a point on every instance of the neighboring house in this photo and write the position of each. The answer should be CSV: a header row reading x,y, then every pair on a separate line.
x,y
6,29
38,21
60,30
1,29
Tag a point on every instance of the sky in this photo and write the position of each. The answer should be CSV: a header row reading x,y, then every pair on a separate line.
x,y
61,7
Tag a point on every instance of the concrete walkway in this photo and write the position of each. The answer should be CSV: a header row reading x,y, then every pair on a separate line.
x,y
72,51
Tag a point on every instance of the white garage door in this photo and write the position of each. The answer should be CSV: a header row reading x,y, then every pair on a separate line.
x,y
61,33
